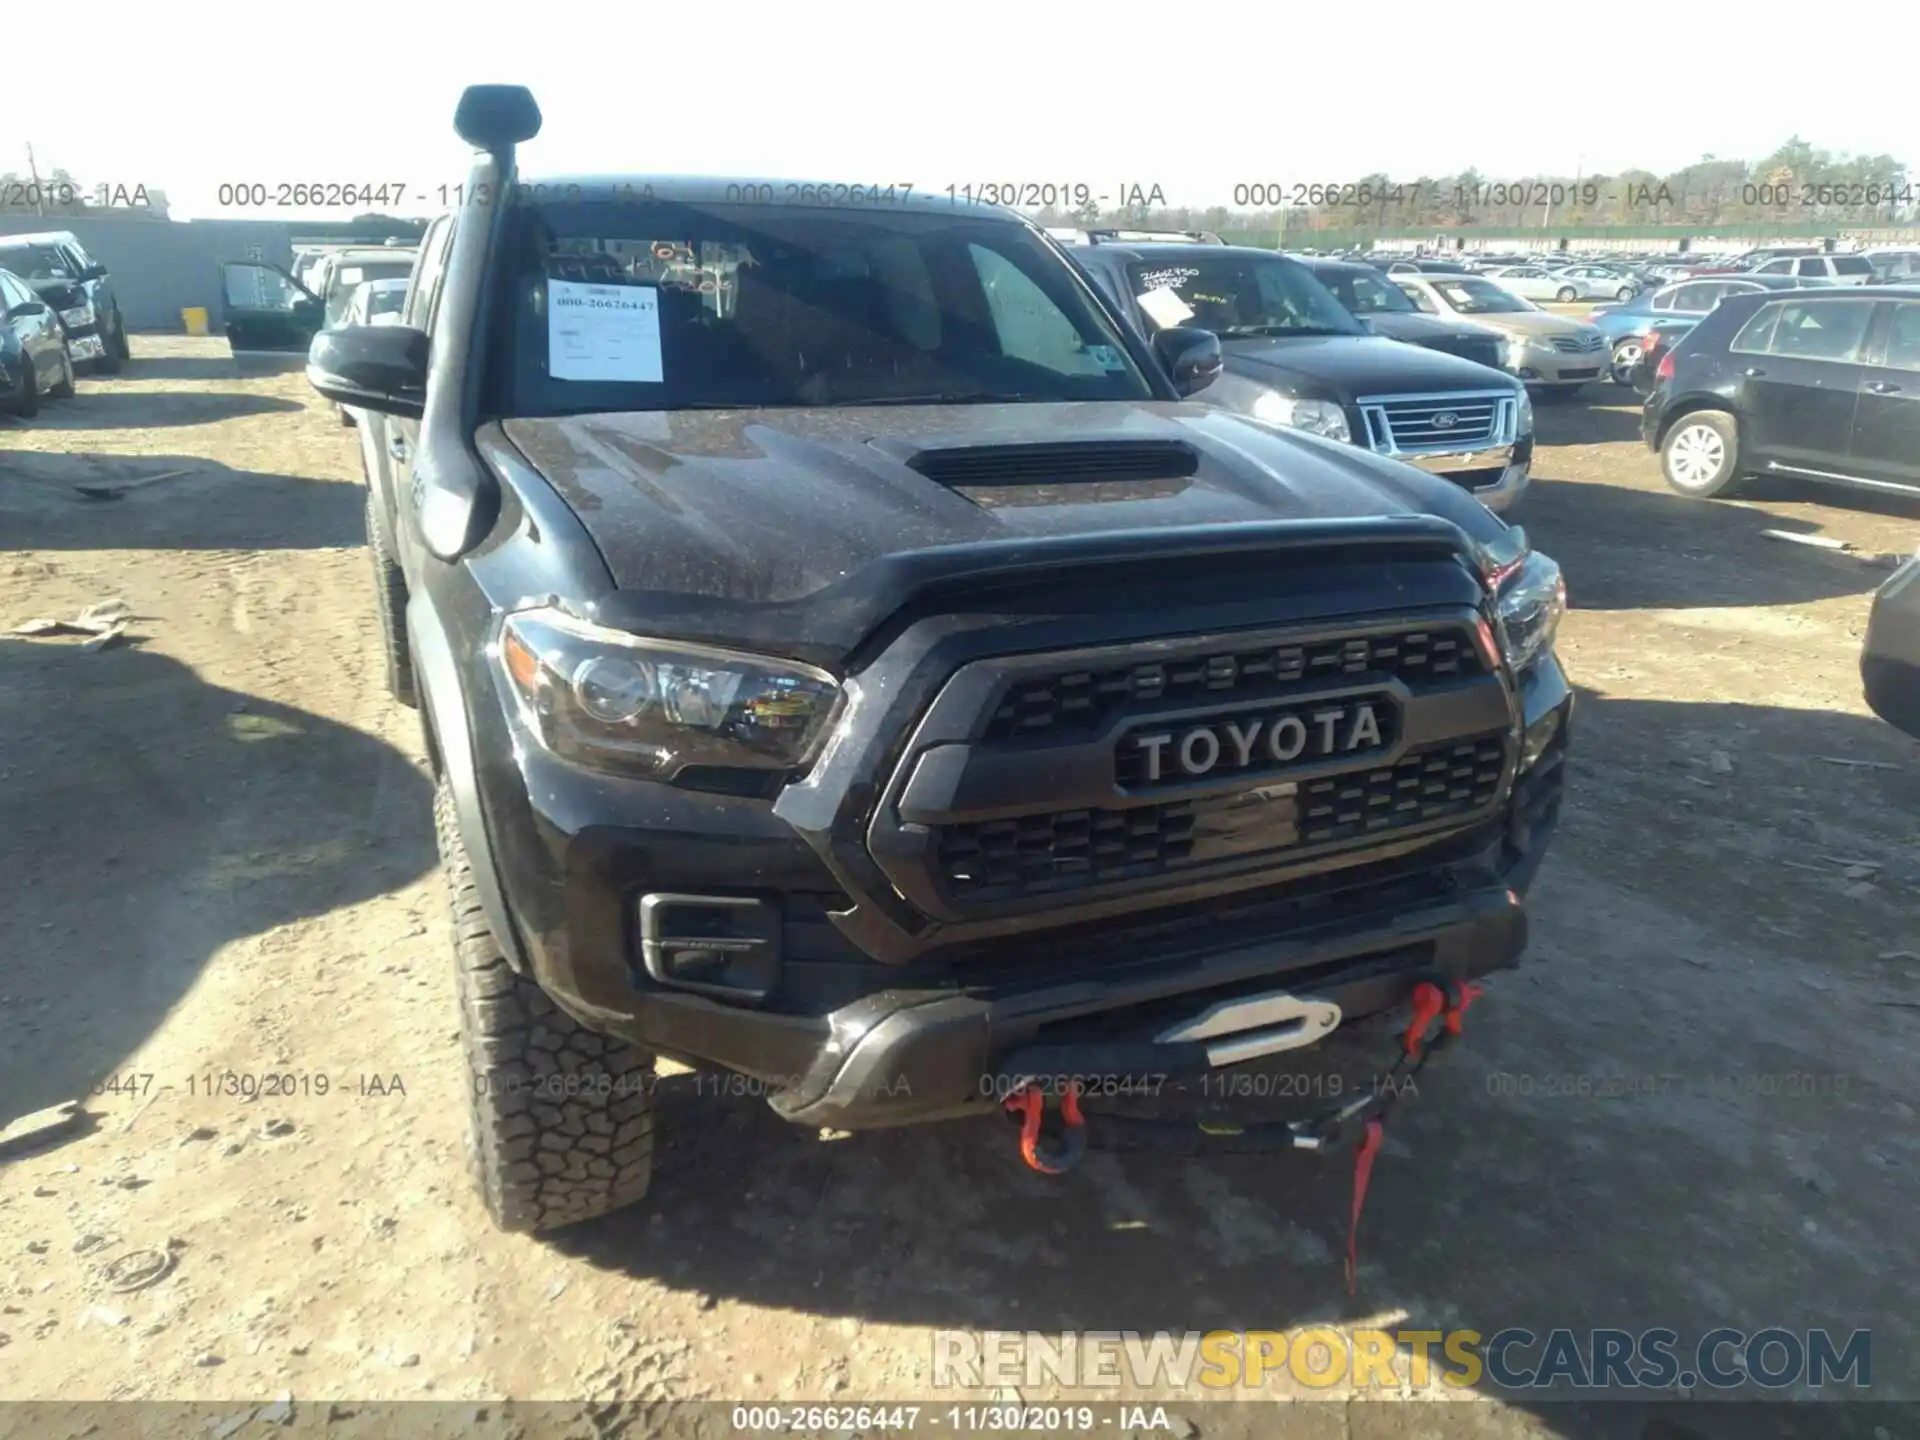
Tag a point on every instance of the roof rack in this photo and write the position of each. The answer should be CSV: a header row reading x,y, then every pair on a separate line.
x,y
1153,237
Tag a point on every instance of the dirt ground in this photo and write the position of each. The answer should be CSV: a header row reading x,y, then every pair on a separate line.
x,y
219,866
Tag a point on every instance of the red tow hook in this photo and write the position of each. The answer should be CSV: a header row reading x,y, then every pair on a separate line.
x,y
1031,1106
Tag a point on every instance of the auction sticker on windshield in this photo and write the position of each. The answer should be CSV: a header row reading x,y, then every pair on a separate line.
x,y
603,332
1164,307
1107,358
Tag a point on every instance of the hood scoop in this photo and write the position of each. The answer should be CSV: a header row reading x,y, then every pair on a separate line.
x,y
1071,462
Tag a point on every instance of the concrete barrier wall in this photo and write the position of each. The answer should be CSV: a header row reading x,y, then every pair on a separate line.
x,y
160,267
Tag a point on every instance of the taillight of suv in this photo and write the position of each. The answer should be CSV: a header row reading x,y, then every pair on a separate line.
x,y
1664,371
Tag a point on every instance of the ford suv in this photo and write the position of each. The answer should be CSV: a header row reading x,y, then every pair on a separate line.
x,y
849,659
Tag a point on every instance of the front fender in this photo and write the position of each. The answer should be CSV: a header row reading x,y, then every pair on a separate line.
x,y
443,712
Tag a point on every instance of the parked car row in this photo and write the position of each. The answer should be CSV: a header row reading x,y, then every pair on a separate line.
x,y
58,315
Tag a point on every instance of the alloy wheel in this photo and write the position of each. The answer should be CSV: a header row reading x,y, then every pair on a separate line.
x,y
1695,456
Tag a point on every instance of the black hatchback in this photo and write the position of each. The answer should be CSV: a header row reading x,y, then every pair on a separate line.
x,y
1817,384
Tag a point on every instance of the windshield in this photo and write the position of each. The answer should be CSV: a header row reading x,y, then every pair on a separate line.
x,y
679,306
1480,297
386,299
1366,294
38,262
1238,296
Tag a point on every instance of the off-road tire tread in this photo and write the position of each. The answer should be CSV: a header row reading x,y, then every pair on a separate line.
x,y
28,405
539,1163
390,599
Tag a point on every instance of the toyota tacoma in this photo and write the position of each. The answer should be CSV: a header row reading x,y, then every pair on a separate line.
x,y
849,660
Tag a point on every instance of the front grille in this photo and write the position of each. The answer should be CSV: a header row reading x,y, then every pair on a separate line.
x,y
1004,860
1578,344
1427,785
1083,700
1410,424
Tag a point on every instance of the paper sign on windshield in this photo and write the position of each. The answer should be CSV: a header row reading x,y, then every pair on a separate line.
x,y
1164,307
603,332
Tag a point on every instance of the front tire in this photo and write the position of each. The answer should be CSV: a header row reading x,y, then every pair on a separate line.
x,y
562,1118
28,405
1626,355
122,346
390,600
1625,293
112,351
1700,454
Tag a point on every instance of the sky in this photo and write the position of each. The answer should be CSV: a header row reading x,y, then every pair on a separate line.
x,y
1196,99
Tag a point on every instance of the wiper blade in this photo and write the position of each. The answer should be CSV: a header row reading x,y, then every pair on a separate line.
x,y
1238,332
944,397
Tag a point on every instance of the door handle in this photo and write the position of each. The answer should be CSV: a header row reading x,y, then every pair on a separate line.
x,y
1753,371
1881,387
396,445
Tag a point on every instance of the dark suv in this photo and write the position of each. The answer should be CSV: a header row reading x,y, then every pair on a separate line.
x,y
1296,356
1818,384
847,661
77,288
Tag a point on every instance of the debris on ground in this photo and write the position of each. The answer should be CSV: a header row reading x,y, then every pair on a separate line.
x,y
42,1127
103,623
1819,542
137,1269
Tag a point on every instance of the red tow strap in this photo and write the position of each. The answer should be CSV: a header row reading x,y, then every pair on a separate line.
x,y
1430,1003
1362,1173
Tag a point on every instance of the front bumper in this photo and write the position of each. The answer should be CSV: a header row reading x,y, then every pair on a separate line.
x,y
854,1041
1497,476
1543,365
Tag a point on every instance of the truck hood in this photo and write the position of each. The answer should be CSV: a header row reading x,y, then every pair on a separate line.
x,y
720,514
1342,367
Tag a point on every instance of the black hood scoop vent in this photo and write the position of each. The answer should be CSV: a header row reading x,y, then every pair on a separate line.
x,y
1056,463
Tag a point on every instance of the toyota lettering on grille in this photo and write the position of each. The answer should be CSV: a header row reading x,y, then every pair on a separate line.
x,y
1258,743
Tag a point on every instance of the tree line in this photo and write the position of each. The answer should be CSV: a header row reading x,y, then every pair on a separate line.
x,y
1798,184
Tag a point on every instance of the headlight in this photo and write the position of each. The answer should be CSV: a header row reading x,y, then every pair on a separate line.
x,y
1532,600
1316,417
1525,414
652,707
78,317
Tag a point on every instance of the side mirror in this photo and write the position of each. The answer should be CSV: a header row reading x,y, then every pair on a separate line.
x,y
373,367
1192,357
94,272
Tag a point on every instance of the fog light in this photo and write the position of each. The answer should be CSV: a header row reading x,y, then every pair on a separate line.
x,y
1539,736
715,944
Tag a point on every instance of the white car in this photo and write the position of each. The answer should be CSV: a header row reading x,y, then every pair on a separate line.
x,y
1834,269
1613,282
1537,282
